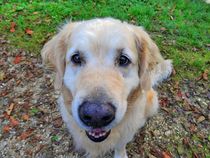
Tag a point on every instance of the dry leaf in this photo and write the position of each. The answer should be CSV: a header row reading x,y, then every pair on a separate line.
x,y
201,119
35,13
173,72
26,134
57,123
12,27
9,110
163,101
205,75
179,94
29,32
13,121
156,152
6,115
6,129
166,155
2,75
17,59
25,117
162,29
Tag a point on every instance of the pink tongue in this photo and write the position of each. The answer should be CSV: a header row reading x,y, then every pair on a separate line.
x,y
97,131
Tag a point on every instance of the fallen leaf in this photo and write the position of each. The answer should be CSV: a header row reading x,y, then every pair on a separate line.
x,y
200,146
192,128
201,119
57,123
6,115
176,85
156,152
26,134
29,31
12,26
17,59
166,154
163,101
35,13
2,75
186,141
162,29
9,110
195,155
205,75
13,121
173,72
25,117
165,109
6,129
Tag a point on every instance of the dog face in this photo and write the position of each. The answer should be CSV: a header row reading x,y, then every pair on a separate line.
x,y
101,62
101,70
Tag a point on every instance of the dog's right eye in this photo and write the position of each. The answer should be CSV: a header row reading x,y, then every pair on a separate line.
x,y
76,59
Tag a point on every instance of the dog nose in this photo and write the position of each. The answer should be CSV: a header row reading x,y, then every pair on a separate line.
x,y
96,114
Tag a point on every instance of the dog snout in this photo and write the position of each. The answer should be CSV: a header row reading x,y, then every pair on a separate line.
x,y
96,114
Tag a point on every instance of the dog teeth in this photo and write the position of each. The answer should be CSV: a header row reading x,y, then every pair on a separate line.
x,y
97,135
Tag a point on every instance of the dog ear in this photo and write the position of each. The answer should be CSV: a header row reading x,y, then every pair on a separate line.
x,y
152,67
54,51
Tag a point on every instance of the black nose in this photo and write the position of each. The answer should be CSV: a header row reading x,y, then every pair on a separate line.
x,y
96,114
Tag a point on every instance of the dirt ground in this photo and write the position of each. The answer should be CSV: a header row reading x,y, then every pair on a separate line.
x,y
31,126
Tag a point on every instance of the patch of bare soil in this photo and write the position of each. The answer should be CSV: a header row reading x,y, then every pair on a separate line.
x,y
31,126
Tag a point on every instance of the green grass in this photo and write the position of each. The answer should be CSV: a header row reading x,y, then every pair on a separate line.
x,y
181,28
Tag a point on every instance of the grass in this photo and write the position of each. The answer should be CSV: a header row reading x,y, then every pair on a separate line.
x,y
181,28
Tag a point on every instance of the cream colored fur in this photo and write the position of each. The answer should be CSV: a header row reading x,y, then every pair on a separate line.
x,y
130,88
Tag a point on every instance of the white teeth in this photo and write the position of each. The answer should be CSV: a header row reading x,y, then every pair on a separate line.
x,y
98,135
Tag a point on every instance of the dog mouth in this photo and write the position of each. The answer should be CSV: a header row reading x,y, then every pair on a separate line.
x,y
97,134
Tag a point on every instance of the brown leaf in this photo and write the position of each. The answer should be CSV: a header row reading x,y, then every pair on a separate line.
x,y
205,75
12,26
13,121
26,134
9,110
17,59
186,141
25,117
6,129
2,75
29,31
201,119
6,115
195,155
173,72
57,123
35,13
176,85
162,29
193,128
166,154
163,101
156,152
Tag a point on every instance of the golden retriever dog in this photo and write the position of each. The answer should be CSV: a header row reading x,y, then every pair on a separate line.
x,y
105,70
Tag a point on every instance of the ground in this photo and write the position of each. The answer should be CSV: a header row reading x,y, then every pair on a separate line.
x,y
30,122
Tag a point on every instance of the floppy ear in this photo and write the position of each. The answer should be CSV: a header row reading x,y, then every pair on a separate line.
x,y
54,51
152,67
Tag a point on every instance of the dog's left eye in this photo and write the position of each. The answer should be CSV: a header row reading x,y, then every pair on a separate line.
x,y
76,59
123,60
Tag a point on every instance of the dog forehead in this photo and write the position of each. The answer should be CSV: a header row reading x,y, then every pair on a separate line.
x,y
101,33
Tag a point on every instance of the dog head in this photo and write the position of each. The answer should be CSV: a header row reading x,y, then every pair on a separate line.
x,y
102,63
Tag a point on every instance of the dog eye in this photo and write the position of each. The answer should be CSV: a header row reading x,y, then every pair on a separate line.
x,y
123,61
76,59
